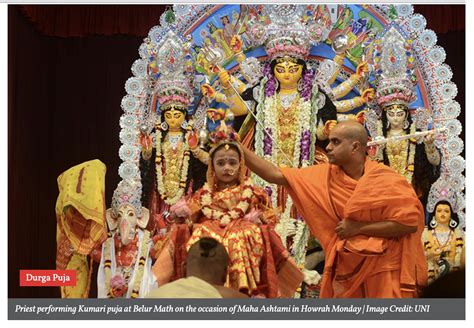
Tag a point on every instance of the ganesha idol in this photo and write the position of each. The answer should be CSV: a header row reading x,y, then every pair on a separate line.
x,y
125,265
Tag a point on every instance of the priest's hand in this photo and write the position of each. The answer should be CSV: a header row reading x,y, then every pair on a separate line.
x,y
347,228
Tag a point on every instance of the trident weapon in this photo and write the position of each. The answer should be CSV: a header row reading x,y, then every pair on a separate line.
x,y
215,57
381,140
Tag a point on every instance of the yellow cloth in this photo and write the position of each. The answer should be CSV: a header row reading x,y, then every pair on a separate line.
x,y
190,287
81,225
78,263
453,249
83,188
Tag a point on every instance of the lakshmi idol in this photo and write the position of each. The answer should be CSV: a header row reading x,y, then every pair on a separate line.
x,y
167,165
417,159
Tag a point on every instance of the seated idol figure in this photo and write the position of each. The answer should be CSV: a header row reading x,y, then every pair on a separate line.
x,y
443,241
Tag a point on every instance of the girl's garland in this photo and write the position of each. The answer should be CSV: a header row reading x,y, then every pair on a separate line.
x,y
226,216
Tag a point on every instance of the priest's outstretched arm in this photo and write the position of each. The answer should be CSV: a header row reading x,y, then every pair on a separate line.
x,y
264,169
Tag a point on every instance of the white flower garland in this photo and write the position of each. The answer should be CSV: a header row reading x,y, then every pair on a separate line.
x,y
304,121
141,264
300,241
267,113
411,155
261,108
314,120
381,148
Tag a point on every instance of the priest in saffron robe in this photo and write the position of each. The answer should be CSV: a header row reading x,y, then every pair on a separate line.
x,y
366,216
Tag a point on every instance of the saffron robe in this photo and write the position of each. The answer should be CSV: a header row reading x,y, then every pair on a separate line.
x,y
362,266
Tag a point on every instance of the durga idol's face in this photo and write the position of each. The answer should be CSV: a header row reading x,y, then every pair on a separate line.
x,y
174,118
288,73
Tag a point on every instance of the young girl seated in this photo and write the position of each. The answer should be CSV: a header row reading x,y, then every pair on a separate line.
x,y
237,214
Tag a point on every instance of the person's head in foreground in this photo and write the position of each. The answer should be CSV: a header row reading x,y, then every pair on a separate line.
x,y
208,260
206,272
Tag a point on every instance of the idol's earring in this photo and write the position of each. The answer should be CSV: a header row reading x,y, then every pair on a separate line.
x,y
184,125
433,223
388,124
452,223
300,84
406,125
164,126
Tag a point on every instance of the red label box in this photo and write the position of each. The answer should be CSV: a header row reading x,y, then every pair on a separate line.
x,y
43,278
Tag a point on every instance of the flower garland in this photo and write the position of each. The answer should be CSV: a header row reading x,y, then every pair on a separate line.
x,y
141,265
378,156
259,139
226,216
316,104
411,155
300,242
303,154
159,168
107,265
139,273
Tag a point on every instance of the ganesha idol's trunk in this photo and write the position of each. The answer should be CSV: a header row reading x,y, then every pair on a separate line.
x,y
127,231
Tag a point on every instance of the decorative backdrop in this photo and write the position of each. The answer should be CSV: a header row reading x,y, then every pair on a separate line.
x,y
67,68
